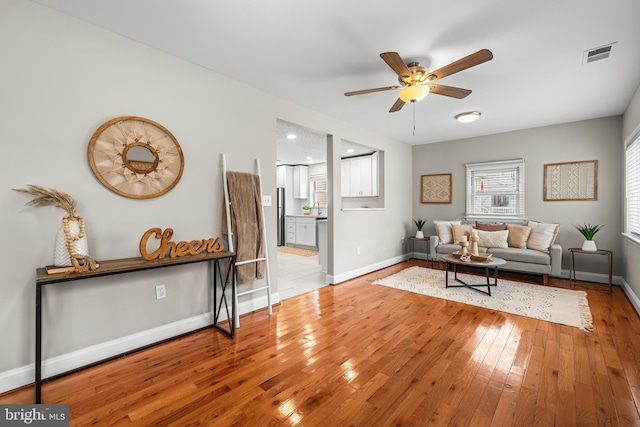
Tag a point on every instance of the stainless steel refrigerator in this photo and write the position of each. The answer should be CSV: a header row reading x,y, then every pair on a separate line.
x,y
281,224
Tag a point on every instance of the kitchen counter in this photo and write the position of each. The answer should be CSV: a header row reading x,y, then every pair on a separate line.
x,y
307,216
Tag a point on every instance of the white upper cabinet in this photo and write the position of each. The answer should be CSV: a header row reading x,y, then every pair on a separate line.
x,y
301,182
281,176
295,179
360,176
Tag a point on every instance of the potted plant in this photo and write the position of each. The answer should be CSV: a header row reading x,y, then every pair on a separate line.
x,y
589,231
306,210
419,223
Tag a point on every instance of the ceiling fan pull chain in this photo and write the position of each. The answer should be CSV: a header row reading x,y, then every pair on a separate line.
x,y
414,117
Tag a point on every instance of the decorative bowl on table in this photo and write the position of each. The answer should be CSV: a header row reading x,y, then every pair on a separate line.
x,y
479,257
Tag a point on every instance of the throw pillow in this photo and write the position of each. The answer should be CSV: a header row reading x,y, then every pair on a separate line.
x,y
518,236
461,230
444,231
542,235
491,226
493,239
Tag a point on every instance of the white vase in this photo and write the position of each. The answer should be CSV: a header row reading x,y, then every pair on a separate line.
x,y
419,234
589,245
61,256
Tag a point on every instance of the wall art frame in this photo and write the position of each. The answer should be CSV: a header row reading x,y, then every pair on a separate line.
x,y
571,181
435,188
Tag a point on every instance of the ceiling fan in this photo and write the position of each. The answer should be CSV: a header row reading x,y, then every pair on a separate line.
x,y
416,82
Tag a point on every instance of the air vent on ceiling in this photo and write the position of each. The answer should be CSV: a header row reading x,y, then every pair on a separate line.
x,y
598,53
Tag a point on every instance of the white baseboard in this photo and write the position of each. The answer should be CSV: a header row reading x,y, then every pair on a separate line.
x,y
24,375
635,300
335,279
588,276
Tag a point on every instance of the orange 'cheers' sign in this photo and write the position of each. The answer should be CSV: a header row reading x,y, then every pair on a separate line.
x,y
193,247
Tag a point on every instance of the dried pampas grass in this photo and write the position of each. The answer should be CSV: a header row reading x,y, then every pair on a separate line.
x,y
41,196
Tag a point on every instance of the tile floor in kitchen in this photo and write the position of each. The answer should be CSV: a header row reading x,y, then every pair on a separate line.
x,y
298,274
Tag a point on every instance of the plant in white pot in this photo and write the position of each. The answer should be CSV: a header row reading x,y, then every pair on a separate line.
x,y
419,223
306,210
589,231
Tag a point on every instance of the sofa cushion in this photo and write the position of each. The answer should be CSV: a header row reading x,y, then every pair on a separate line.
x,y
518,236
493,239
542,235
444,231
490,226
531,256
460,230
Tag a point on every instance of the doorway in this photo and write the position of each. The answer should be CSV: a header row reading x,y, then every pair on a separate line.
x,y
302,180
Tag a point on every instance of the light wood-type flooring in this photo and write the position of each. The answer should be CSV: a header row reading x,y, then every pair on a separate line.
x,y
357,354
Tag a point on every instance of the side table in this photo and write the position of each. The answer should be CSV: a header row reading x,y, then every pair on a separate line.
x,y
413,246
572,267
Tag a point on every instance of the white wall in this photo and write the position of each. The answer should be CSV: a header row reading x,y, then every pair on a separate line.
x,y
597,139
62,78
631,118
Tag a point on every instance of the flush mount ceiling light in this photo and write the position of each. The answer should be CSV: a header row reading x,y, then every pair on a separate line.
x,y
291,136
413,93
468,117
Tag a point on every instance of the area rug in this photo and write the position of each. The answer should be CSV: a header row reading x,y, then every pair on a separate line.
x,y
299,251
555,305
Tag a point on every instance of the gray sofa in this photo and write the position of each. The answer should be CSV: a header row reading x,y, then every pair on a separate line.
x,y
524,260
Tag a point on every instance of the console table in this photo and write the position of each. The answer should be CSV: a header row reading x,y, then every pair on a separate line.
x,y
128,265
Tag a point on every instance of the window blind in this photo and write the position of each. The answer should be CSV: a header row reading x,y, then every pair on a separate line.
x,y
319,189
495,190
632,185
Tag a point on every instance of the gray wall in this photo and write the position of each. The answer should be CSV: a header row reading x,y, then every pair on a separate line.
x,y
60,80
597,139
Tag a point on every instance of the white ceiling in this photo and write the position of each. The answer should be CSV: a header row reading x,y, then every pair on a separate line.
x,y
309,147
313,52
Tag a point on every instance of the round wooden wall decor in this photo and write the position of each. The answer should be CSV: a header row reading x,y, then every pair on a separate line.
x,y
135,157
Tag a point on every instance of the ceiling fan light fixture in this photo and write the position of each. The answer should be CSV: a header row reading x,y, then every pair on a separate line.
x,y
413,93
468,117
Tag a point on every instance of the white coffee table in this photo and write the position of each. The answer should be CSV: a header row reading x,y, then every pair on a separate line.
x,y
493,264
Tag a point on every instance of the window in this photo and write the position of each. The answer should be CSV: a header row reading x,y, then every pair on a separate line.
x,y
632,185
495,190
319,190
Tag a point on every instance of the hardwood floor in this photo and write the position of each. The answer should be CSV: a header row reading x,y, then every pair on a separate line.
x,y
363,355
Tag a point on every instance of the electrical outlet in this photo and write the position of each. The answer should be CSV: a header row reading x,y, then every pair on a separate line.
x,y
161,291
358,250
266,200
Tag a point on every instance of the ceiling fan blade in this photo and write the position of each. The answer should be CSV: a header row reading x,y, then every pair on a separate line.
x,y
396,63
472,60
379,89
453,92
397,106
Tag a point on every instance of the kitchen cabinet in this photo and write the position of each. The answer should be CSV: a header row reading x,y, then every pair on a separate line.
x,y
359,176
301,231
300,182
281,176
